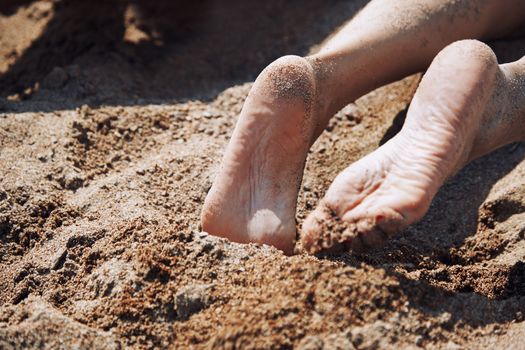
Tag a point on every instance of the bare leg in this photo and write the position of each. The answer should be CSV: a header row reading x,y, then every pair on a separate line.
x,y
254,196
465,106
389,40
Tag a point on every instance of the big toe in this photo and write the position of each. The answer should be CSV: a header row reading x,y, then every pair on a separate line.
x,y
323,230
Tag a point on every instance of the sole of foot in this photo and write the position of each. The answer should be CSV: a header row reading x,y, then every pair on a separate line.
x,y
254,195
446,127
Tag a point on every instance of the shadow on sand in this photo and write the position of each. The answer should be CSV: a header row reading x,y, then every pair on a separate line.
x,y
127,52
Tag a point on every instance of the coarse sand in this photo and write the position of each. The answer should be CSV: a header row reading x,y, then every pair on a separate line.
x,y
113,119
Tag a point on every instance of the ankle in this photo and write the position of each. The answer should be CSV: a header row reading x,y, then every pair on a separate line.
x,y
328,102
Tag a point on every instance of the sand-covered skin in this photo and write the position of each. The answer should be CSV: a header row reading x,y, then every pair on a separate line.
x,y
104,169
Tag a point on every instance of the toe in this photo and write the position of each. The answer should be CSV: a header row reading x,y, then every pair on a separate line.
x,y
374,227
324,230
316,230
365,241
312,231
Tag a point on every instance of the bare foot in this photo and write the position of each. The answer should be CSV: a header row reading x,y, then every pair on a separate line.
x,y
253,198
456,115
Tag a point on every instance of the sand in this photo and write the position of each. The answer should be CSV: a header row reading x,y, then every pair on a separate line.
x,y
109,141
